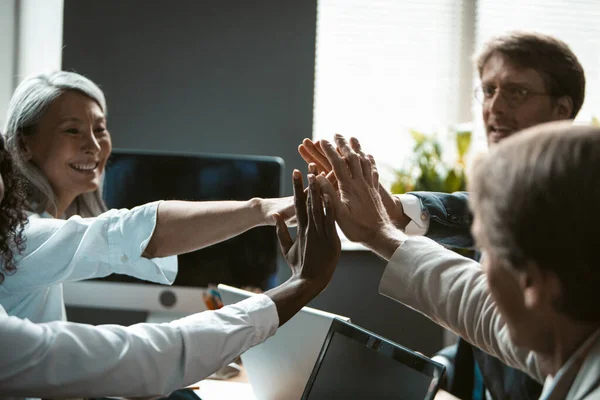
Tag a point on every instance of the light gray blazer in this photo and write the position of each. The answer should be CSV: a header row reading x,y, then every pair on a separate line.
x,y
452,291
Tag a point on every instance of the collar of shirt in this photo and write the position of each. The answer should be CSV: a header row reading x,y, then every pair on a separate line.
x,y
557,387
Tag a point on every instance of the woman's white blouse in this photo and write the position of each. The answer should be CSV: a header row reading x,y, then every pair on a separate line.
x,y
71,250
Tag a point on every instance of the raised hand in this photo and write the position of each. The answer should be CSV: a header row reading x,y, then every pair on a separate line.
x,y
392,204
312,152
314,254
359,210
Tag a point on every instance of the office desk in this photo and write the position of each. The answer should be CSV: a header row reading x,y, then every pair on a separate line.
x,y
238,388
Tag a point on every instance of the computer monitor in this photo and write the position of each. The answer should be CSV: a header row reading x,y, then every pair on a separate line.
x,y
357,364
137,177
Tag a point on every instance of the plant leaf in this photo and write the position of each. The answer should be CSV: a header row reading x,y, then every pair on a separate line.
x,y
418,137
452,182
463,143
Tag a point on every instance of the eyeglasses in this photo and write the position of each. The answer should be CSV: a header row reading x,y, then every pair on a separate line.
x,y
515,96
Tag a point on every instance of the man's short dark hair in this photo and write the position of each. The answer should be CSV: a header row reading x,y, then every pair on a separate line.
x,y
536,195
550,57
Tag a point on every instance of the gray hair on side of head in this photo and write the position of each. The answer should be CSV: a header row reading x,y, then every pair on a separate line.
x,y
27,106
521,193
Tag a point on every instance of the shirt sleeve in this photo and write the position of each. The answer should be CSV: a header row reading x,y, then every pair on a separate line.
x,y
62,359
453,292
60,251
419,219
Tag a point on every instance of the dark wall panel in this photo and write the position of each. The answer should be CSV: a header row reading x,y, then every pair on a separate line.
x,y
211,76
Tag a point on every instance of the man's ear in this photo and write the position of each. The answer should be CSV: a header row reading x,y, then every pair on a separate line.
x,y
563,107
540,288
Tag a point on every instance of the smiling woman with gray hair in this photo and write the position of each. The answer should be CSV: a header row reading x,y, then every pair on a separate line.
x,y
62,359
57,132
43,122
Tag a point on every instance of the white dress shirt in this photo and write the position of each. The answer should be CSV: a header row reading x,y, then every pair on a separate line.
x,y
60,359
70,250
419,220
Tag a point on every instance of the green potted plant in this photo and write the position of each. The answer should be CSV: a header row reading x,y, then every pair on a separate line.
x,y
427,171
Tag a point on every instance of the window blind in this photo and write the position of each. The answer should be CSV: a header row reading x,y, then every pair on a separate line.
x,y
384,67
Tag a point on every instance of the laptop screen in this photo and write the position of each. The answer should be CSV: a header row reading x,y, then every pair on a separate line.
x,y
355,363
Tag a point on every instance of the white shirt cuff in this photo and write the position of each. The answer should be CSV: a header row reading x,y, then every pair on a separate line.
x,y
263,316
129,232
419,223
257,312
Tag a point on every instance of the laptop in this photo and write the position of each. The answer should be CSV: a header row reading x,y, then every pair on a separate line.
x,y
357,364
279,367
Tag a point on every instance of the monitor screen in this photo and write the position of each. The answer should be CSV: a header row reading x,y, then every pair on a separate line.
x,y
356,364
134,178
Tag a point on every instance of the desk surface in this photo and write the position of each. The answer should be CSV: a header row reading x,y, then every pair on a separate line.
x,y
239,388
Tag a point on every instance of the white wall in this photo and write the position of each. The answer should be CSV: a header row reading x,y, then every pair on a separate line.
x,y
30,43
7,55
40,31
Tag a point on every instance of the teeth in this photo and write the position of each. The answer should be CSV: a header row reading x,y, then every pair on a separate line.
x,y
84,167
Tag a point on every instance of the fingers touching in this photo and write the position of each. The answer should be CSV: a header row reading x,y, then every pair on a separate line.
x,y
350,162
314,209
349,154
285,240
312,153
338,163
367,162
299,200
315,203
317,153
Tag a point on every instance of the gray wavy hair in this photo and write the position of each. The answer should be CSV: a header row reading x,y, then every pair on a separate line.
x,y
28,104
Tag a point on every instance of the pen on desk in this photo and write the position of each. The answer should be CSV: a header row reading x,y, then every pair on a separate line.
x,y
212,298
207,301
216,297
192,387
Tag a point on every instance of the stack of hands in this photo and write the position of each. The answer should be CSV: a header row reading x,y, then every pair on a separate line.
x,y
343,188
365,212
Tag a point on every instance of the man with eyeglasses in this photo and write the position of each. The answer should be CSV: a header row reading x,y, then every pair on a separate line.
x,y
526,79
